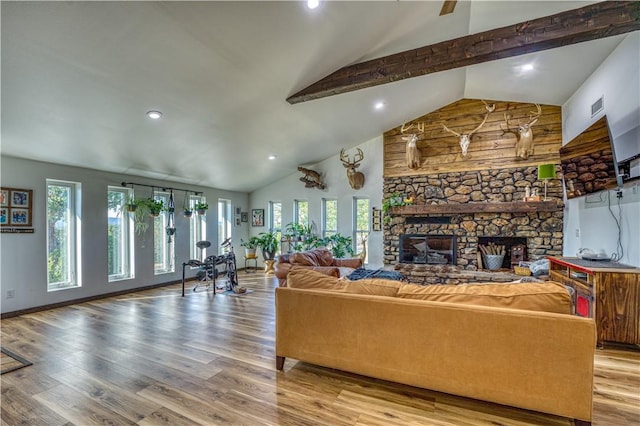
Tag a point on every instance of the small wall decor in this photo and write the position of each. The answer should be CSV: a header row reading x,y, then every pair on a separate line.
x,y
376,218
257,217
244,216
16,210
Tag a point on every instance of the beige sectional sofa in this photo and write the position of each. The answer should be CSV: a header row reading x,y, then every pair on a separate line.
x,y
532,354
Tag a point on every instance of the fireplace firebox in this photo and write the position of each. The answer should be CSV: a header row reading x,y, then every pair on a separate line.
x,y
428,249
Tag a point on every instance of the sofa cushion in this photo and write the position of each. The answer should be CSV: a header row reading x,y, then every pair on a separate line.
x,y
315,257
305,277
547,297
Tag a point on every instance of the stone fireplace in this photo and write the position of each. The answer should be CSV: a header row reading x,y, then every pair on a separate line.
x,y
473,202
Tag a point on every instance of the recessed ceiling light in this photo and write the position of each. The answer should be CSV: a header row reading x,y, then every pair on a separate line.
x,y
379,105
153,114
273,157
312,4
527,67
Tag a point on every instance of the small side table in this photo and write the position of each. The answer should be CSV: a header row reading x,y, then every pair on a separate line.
x,y
247,264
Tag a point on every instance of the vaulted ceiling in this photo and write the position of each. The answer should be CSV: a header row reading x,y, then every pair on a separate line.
x,y
78,77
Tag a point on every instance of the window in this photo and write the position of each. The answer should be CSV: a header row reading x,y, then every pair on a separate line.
x,y
224,220
329,217
163,247
301,212
197,229
361,222
63,235
275,218
119,234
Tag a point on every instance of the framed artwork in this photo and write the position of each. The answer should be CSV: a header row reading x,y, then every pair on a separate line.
x,y
244,216
376,219
16,209
257,217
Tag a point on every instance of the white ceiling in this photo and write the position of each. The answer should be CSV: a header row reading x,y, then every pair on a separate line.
x,y
78,77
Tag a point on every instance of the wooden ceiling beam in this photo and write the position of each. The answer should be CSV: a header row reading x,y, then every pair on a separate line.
x,y
587,23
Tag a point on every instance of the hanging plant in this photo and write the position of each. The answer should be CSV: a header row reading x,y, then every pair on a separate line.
x,y
187,213
132,205
140,215
155,206
201,208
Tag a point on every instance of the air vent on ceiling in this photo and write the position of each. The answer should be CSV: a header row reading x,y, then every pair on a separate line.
x,y
597,106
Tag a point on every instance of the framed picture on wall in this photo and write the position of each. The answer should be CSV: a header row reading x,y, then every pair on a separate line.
x,y
244,216
257,217
16,210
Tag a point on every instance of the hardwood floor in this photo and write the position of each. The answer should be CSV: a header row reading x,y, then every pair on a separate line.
x,y
155,358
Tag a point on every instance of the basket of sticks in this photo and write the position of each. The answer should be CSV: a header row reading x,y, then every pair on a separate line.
x,y
493,255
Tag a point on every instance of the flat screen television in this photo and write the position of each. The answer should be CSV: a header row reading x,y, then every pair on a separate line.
x,y
589,163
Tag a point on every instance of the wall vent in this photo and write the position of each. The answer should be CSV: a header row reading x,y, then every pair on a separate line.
x,y
597,106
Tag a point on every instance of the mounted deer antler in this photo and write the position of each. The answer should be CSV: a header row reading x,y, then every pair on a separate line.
x,y
523,132
465,138
356,179
413,153
311,178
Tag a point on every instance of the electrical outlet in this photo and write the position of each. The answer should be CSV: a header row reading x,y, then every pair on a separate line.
x,y
577,232
11,294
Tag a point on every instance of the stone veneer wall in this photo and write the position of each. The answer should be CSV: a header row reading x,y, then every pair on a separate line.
x,y
543,230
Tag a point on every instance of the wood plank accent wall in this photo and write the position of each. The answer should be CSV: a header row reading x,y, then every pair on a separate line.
x,y
491,148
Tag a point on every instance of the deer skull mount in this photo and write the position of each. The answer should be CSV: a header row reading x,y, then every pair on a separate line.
x,y
523,132
356,178
465,138
412,152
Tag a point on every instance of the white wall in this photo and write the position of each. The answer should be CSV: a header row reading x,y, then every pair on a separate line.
x,y
23,256
618,79
337,187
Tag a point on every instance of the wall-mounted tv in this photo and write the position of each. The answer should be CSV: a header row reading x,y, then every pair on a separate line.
x,y
588,161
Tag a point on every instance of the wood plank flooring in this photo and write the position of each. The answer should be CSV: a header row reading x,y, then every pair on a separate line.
x,y
154,358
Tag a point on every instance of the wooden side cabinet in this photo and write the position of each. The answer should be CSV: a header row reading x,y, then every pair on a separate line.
x,y
605,291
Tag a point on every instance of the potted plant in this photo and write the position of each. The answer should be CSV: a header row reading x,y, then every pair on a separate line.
x,y
393,200
250,247
268,243
339,245
187,212
132,205
201,208
155,206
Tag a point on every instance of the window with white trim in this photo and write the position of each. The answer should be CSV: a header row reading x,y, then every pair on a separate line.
x,y
63,235
329,217
163,246
225,220
197,228
120,261
301,212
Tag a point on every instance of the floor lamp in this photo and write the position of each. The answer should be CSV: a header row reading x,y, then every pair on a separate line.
x,y
546,172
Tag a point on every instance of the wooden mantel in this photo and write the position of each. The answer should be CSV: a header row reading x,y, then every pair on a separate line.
x,y
491,207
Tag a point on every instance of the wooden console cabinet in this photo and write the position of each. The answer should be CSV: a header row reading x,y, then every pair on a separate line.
x,y
606,291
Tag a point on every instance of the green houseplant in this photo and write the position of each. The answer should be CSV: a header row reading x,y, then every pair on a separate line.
x,y
393,200
268,244
339,245
154,206
250,246
201,208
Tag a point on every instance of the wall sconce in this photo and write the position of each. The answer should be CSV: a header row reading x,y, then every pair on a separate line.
x,y
546,172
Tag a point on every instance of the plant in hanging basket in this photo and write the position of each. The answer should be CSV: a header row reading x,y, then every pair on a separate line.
x,y
201,208
187,213
155,206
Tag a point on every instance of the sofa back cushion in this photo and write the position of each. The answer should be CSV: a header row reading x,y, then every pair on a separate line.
x,y
300,277
304,277
315,257
546,297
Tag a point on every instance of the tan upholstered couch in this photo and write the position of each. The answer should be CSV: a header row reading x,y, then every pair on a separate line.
x,y
319,259
535,360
